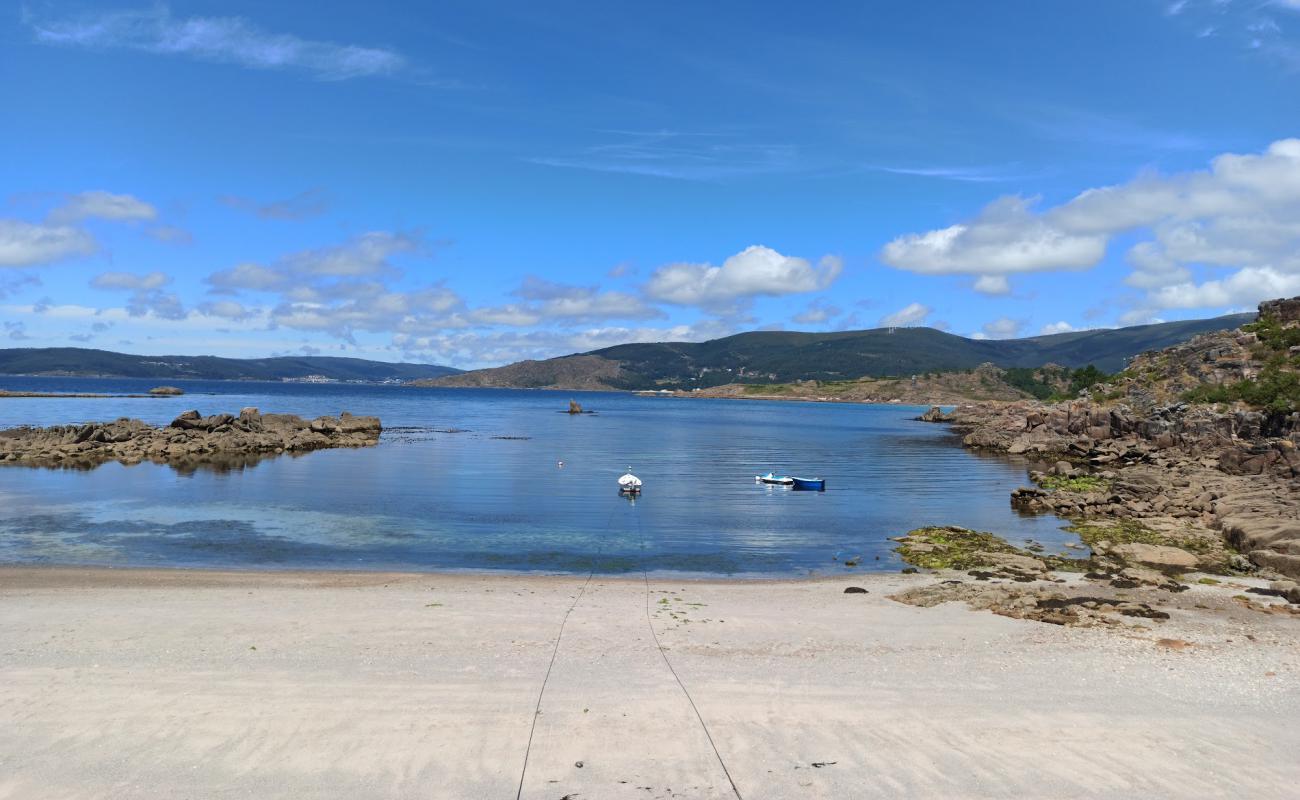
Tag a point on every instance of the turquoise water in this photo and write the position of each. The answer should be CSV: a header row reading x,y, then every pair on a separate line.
x,y
442,491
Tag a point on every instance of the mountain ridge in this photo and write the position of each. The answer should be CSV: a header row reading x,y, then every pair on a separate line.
x,y
87,362
788,356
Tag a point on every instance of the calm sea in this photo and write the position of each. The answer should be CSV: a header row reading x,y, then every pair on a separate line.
x,y
471,479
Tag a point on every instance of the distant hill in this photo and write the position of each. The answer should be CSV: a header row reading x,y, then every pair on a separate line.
x,y
569,372
103,363
784,357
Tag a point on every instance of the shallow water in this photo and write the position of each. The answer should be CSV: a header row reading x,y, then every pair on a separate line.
x,y
426,498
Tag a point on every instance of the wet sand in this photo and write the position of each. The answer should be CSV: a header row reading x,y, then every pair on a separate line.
x,y
144,684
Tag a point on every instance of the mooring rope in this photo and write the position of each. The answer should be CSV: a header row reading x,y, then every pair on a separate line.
x,y
645,573
555,651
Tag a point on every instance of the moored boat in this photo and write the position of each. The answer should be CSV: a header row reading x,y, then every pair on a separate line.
x,y
629,483
774,479
809,484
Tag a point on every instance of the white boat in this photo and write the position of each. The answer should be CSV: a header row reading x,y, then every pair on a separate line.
x,y
629,483
773,478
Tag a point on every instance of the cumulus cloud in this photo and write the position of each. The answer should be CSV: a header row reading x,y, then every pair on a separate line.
x,y
304,205
1001,328
16,331
753,272
1242,213
475,349
147,297
1056,327
130,281
26,244
1007,237
225,40
62,234
911,314
226,309
549,300
993,285
313,272
103,205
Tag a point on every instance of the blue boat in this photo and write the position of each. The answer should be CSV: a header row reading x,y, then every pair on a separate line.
x,y
808,484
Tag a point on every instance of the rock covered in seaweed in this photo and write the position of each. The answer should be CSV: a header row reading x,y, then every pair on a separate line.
x,y
190,438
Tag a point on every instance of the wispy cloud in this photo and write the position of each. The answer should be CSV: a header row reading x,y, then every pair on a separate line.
x,y
311,203
1264,27
678,155
977,174
227,40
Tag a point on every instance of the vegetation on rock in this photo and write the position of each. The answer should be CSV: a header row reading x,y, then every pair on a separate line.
x,y
1277,387
1079,483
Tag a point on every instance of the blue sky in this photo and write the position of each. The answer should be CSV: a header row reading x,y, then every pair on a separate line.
x,y
475,183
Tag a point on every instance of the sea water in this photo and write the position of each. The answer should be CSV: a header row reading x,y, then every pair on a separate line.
x,y
482,479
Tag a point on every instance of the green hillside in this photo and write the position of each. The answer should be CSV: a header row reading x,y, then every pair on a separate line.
x,y
784,356
103,363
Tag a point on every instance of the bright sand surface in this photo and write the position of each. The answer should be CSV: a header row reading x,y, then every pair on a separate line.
x,y
151,684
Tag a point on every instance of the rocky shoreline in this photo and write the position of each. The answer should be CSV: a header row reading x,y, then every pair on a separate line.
x,y
1157,488
1179,474
189,439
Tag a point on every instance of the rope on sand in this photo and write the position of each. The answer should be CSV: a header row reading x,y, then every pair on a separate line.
x,y
537,711
646,575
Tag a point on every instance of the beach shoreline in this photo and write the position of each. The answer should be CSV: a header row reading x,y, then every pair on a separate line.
x,y
146,682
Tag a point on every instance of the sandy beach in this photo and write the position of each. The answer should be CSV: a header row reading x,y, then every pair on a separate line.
x,y
134,683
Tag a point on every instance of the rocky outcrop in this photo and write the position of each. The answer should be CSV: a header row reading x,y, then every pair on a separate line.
x,y
1285,311
190,438
1241,441
166,391
1134,452
934,414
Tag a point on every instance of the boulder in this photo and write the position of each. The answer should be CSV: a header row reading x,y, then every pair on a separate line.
x,y
1155,555
935,414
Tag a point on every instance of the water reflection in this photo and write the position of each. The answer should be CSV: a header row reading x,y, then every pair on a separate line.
x,y
469,479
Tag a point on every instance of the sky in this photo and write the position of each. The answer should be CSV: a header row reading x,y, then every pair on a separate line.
x,y
474,183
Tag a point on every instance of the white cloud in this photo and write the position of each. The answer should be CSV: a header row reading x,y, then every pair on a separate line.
x,y
227,40
367,254
103,205
316,272
559,301
1244,287
147,297
753,272
1007,237
473,349
1243,213
993,285
911,314
130,281
226,309
1001,328
1056,327
25,244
